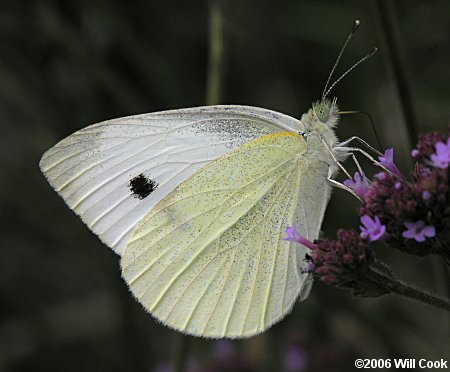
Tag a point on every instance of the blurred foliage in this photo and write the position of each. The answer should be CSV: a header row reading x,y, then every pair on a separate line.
x,y
65,64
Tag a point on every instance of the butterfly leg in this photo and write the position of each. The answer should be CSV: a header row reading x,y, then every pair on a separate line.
x,y
355,138
357,164
351,149
341,186
335,160
335,183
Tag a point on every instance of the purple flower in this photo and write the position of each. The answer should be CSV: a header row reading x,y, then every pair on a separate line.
x,y
418,231
294,236
441,159
360,185
380,176
372,229
426,146
387,160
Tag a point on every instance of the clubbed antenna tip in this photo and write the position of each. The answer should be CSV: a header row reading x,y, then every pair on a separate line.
x,y
350,35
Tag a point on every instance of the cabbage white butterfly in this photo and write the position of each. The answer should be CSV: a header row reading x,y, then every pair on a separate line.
x,y
196,202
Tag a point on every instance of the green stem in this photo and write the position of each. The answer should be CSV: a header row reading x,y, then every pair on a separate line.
x,y
380,273
214,77
182,342
389,23
403,289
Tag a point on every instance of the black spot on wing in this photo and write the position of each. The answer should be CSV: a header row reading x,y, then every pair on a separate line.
x,y
141,186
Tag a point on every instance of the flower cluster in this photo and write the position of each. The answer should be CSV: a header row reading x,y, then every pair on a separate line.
x,y
337,262
411,215
347,262
340,261
416,213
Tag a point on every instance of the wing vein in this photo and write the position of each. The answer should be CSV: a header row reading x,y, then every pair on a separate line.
x,y
125,198
259,222
107,170
198,193
195,256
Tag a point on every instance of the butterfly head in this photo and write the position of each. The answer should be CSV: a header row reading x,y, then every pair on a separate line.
x,y
318,128
326,112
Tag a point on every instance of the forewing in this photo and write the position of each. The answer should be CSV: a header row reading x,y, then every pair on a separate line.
x,y
93,168
210,258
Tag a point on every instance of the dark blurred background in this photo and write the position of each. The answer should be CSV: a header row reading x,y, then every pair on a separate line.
x,y
67,64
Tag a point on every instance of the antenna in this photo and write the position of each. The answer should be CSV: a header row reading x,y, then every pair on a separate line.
x,y
367,56
350,35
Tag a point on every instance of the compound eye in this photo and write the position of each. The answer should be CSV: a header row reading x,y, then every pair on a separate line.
x,y
322,110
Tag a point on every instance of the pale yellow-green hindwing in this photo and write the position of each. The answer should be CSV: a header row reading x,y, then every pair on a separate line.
x,y
209,259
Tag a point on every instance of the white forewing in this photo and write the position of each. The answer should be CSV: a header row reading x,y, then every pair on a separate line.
x,y
92,168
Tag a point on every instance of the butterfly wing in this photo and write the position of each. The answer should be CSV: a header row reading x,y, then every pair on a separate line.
x,y
93,168
210,258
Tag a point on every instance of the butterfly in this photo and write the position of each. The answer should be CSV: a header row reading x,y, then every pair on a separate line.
x,y
196,202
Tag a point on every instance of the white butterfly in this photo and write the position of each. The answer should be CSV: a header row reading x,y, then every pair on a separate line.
x,y
196,202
